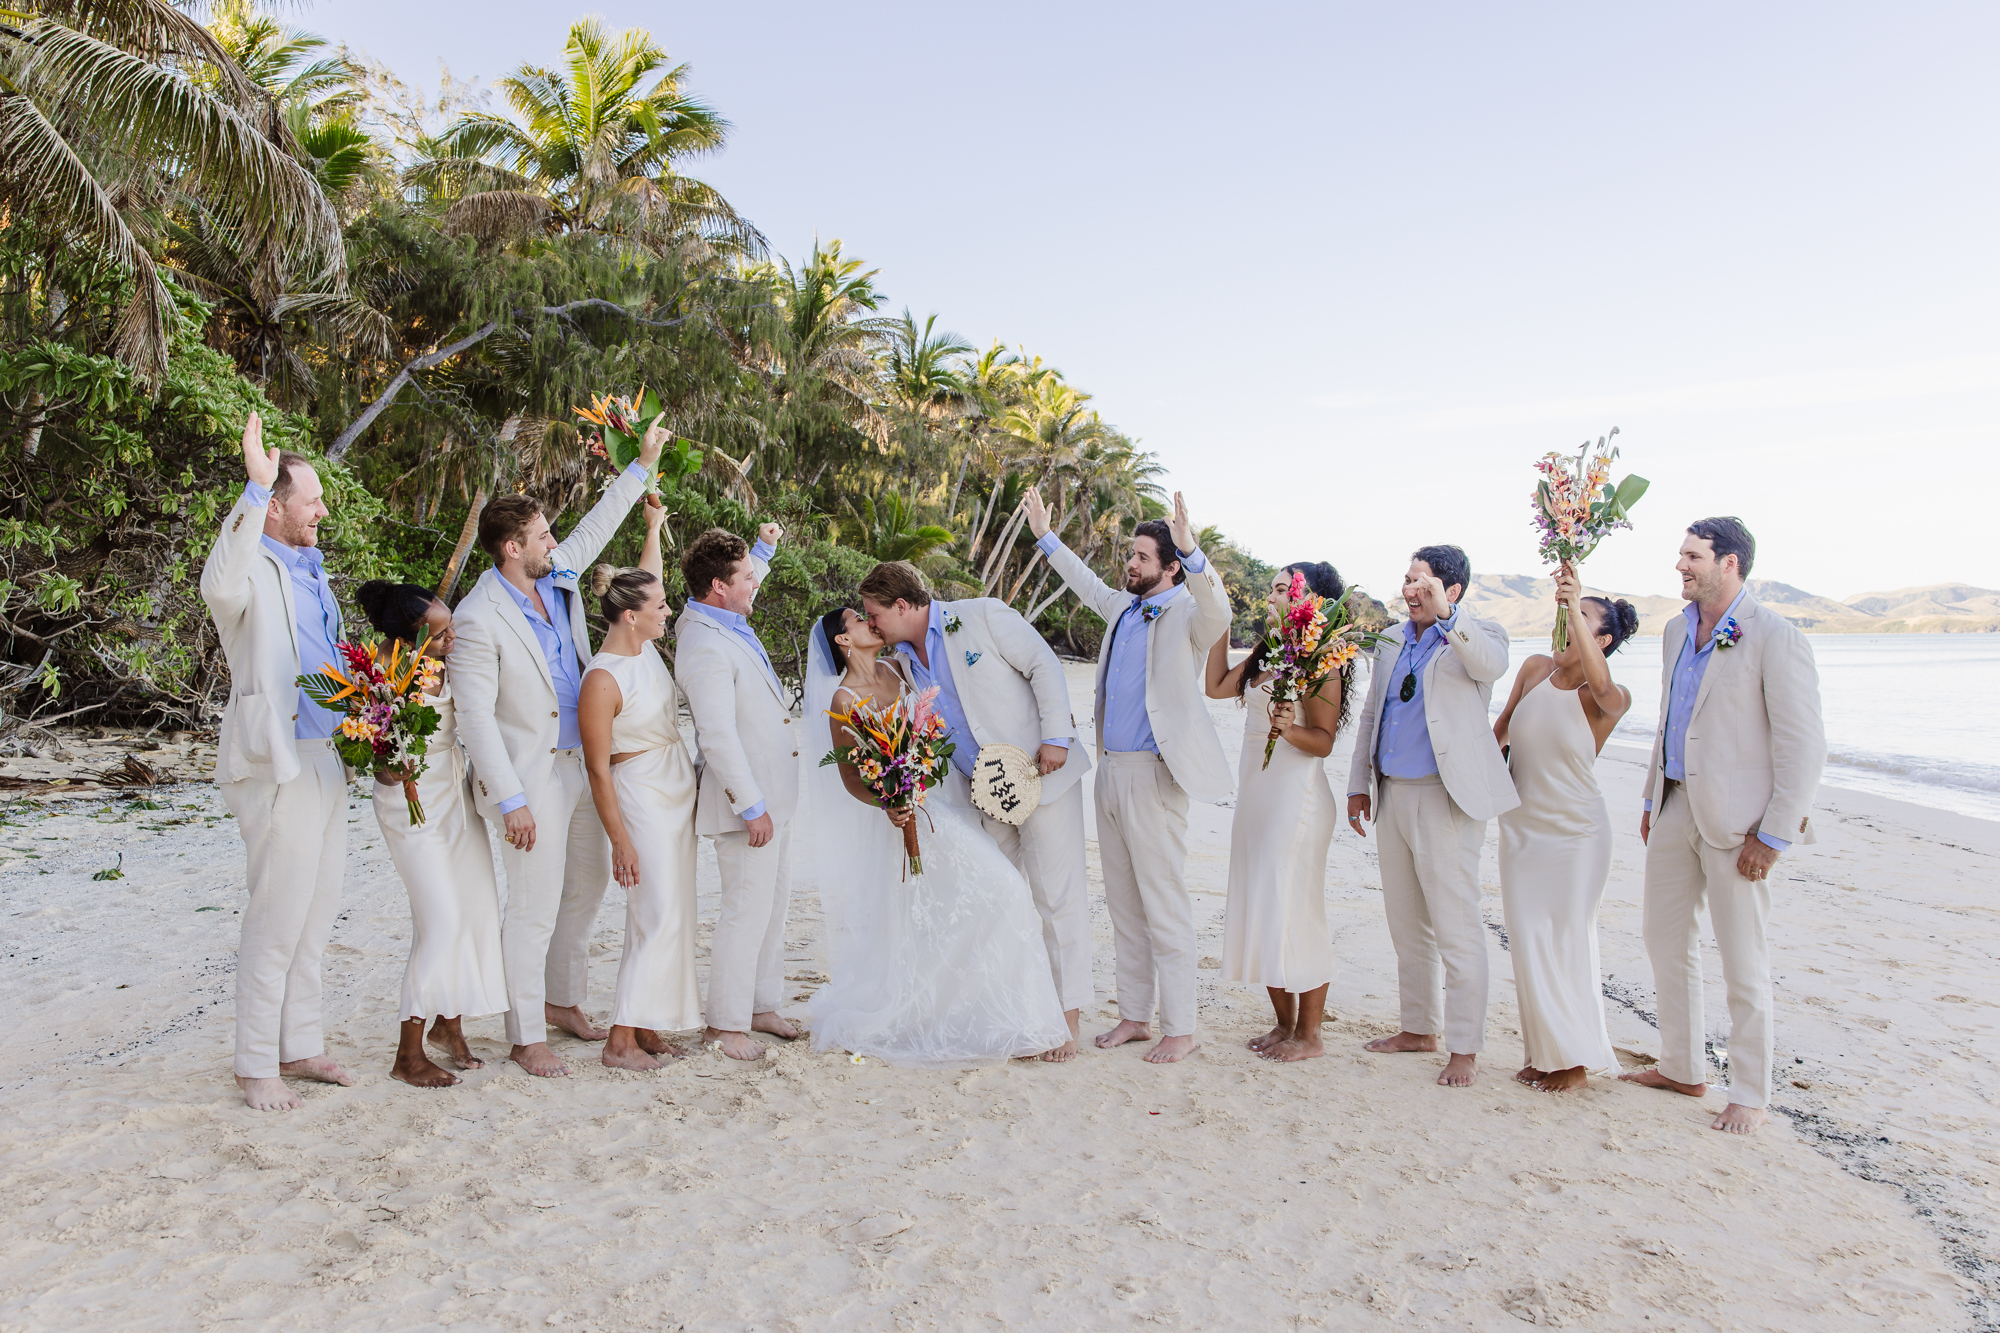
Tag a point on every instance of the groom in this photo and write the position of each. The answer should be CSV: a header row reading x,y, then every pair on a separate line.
x,y
998,682
1158,746
519,661
1736,763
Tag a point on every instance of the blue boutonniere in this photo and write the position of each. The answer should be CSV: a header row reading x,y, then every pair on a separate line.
x,y
952,624
1151,611
569,574
1727,634
970,658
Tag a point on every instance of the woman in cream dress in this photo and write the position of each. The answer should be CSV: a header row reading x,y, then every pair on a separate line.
x,y
1555,847
644,787
1275,933
446,864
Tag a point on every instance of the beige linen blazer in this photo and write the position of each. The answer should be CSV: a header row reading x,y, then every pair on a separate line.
x,y
1756,745
1177,645
1012,688
249,595
1458,689
748,742
507,715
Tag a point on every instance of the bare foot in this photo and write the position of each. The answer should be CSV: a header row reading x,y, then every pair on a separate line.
x,y
776,1024
539,1060
1171,1050
317,1068
1458,1072
624,1051
447,1037
1126,1031
1067,1051
1529,1075
1306,1046
419,1072
1402,1041
1737,1119
1563,1080
268,1094
1269,1039
735,1045
1653,1078
652,1043
573,1020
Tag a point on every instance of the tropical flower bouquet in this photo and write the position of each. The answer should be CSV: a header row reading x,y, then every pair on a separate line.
x,y
901,752
388,724
1576,507
621,429
1315,639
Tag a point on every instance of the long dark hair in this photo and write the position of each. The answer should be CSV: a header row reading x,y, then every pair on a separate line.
x,y
1322,580
832,623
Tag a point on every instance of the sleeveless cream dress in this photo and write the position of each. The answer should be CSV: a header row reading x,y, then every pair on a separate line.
x,y
1275,932
1555,854
446,864
655,790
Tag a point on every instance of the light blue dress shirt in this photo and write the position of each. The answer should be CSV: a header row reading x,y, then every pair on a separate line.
x,y
938,673
316,613
1404,748
558,647
1689,668
1127,727
740,627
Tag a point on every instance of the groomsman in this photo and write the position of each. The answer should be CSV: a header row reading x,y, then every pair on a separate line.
x,y
1428,772
1157,746
1736,764
999,683
749,760
266,587
522,646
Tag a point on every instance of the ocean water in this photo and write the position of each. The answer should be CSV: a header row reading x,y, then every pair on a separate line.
x,y
1913,716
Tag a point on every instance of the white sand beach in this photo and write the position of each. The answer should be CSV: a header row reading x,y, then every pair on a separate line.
x,y
808,1192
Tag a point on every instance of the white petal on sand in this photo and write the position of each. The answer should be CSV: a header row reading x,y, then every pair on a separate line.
x,y
1344,1193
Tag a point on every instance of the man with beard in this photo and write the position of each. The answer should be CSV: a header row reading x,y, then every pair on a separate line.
x,y
275,612
1157,747
519,661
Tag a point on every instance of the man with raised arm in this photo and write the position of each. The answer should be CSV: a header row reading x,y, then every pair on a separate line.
x,y
522,647
1428,772
266,587
1156,747
1736,763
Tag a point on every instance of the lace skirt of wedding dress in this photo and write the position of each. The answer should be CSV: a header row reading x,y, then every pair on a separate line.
x,y
943,970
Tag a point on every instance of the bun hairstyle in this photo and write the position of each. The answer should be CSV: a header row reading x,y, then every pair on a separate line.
x,y
396,610
1619,619
832,623
1322,580
622,590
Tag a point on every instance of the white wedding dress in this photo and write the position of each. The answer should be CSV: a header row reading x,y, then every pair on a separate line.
x,y
943,970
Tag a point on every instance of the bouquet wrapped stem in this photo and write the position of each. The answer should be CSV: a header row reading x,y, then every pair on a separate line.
x,y
901,751
1314,639
1576,507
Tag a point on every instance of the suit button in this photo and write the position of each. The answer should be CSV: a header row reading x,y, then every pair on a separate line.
x,y
555,712
795,754
788,722
552,749
295,717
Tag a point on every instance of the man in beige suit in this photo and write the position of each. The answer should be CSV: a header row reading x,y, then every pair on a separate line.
x,y
999,683
1736,764
749,757
275,764
516,670
1156,747
1429,773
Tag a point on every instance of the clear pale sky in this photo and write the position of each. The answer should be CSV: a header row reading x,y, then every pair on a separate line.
x,y
1350,268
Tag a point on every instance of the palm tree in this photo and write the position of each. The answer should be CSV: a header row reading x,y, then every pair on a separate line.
x,y
101,129
593,146
888,531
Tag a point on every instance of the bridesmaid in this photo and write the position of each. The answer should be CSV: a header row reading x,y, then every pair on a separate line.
x,y
644,787
446,864
1275,933
1555,847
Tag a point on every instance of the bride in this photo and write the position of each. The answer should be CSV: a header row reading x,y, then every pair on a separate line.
x,y
943,970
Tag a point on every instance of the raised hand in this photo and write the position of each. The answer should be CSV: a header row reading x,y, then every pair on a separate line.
x,y
655,440
656,513
1430,591
768,533
258,464
1569,592
1178,525
1038,513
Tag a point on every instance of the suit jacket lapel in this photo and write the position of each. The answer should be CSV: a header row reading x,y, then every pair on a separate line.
x,y
1717,656
517,619
291,607
735,644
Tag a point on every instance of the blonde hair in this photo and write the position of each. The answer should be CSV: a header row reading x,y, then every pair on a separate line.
x,y
621,590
